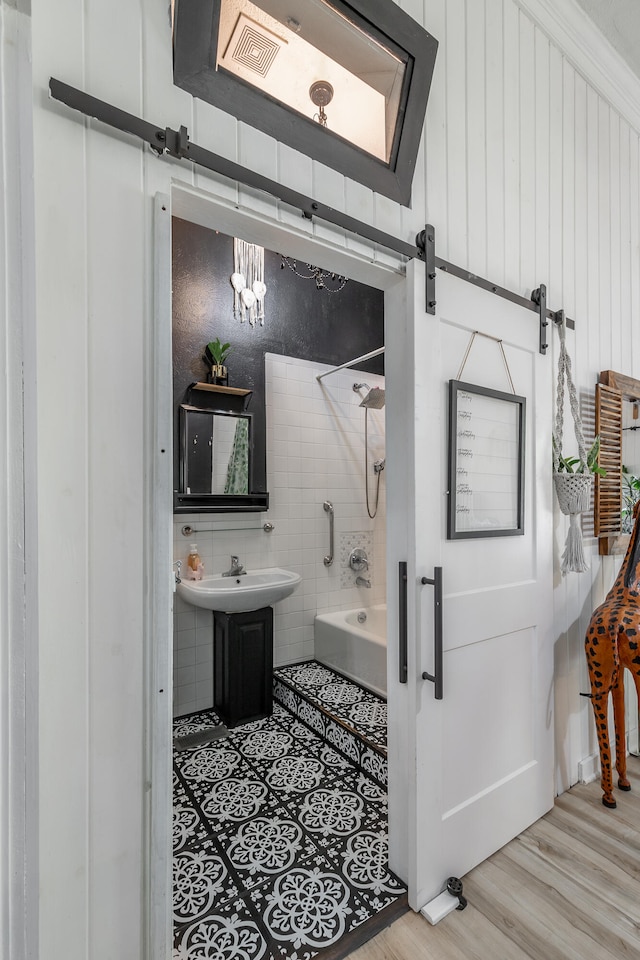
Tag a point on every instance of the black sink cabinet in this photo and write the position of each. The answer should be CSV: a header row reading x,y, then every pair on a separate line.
x,y
243,665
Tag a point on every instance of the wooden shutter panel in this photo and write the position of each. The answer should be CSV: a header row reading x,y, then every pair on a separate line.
x,y
608,494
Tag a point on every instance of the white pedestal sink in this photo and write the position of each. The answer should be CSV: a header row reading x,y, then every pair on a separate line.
x,y
250,591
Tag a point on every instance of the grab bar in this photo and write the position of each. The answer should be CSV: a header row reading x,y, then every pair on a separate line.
x,y
328,507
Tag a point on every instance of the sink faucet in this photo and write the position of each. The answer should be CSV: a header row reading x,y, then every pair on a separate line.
x,y
235,570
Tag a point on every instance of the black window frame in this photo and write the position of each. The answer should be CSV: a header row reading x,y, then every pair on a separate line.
x,y
194,69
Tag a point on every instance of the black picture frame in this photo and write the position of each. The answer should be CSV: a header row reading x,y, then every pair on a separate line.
x,y
486,462
195,41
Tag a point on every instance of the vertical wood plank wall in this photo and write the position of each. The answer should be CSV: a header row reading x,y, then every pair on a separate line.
x,y
18,682
529,176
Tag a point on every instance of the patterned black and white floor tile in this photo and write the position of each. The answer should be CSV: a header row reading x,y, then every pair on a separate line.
x,y
229,931
309,908
194,722
280,845
351,705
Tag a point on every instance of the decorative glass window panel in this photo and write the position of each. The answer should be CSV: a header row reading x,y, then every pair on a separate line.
x,y
486,462
346,83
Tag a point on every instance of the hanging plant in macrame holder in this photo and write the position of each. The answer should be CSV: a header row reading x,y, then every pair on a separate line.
x,y
572,477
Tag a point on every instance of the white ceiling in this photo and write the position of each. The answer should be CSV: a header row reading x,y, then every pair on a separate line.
x,y
619,21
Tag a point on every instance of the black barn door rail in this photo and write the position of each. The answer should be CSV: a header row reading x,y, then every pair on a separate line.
x,y
176,143
537,302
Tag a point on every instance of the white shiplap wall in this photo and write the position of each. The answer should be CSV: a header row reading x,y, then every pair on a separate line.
x,y
18,614
529,176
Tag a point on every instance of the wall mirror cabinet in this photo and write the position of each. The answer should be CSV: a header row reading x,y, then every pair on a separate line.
x,y
618,426
216,456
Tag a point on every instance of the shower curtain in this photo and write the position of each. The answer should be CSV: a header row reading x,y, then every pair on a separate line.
x,y
238,470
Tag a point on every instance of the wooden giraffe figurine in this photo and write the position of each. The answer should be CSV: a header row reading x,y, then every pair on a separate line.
x,y
611,644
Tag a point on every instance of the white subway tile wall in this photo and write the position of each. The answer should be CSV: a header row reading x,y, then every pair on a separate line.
x,y
315,452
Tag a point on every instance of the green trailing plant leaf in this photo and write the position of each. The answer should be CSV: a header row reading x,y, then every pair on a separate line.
x,y
592,457
575,465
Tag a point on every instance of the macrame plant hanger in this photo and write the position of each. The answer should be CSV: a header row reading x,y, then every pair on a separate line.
x,y
572,489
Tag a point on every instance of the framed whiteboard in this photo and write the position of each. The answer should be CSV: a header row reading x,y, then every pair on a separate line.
x,y
486,462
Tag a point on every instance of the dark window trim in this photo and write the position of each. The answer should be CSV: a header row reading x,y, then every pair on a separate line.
x,y
195,36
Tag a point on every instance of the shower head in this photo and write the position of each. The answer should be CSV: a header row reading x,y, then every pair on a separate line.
x,y
374,400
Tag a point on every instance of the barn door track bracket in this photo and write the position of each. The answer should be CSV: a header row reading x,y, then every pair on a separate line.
x,y
539,297
176,144
538,301
426,241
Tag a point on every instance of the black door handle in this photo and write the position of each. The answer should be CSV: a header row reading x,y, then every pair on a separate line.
x,y
402,621
436,676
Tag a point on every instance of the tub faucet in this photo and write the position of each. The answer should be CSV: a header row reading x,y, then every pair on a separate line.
x,y
363,582
235,570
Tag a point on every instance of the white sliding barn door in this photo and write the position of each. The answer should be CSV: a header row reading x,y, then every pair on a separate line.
x,y
476,766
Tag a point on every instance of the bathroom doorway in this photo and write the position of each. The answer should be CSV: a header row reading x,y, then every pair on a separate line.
x,y
339,399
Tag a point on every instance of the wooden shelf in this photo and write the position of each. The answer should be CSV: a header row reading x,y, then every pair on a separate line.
x,y
218,388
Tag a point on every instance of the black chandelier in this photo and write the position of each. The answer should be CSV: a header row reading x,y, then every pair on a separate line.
x,y
336,280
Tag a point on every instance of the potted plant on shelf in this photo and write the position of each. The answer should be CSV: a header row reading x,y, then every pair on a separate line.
x,y
215,355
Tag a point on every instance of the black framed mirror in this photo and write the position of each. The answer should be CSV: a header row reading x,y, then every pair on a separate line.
x,y
216,462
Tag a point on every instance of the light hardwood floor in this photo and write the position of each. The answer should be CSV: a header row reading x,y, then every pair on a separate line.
x,y
568,888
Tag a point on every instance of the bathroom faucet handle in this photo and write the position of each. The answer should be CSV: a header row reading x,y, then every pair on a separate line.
x,y
358,560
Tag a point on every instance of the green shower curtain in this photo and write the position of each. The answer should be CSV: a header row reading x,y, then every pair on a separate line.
x,y
238,469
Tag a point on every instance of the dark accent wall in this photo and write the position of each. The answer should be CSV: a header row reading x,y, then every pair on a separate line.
x,y
300,321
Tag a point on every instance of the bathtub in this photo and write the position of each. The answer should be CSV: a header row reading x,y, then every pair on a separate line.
x,y
358,650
